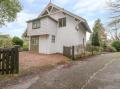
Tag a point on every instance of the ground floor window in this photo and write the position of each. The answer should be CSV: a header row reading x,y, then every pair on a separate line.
x,y
35,41
53,39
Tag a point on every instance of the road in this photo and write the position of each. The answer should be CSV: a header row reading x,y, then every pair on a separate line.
x,y
98,72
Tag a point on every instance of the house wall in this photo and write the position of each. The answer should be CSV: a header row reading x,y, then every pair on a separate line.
x,y
47,26
40,31
53,31
65,36
46,46
68,36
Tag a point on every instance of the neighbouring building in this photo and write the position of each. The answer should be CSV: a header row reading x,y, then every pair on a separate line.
x,y
55,28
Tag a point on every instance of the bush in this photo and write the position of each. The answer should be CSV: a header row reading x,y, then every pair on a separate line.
x,y
110,49
25,46
17,41
91,48
5,42
116,45
82,55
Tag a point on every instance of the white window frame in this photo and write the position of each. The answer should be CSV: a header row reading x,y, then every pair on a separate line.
x,y
62,22
36,24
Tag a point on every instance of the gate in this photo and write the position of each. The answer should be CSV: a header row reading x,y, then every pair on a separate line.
x,y
67,51
9,60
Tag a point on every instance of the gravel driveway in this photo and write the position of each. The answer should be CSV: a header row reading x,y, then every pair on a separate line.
x,y
99,72
29,60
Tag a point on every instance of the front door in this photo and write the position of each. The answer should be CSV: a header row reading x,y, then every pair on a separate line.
x,y
34,44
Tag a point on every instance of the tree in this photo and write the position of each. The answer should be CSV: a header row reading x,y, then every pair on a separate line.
x,y
114,6
95,39
98,38
17,41
114,23
5,42
9,10
114,26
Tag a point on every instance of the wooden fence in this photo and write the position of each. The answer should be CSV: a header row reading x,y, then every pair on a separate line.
x,y
9,60
78,50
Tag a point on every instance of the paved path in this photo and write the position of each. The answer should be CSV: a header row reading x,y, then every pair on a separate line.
x,y
100,72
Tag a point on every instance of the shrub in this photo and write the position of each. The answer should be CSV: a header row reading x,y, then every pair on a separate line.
x,y
82,55
17,41
91,48
25,46
6,42
116,45
110,49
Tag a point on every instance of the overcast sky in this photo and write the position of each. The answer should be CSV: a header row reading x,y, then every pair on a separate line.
x,y
88,9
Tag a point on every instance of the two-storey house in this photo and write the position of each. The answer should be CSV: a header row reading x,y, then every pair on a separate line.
x,y
54,28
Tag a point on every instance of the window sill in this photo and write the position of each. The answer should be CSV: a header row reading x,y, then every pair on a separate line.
x,y
36,28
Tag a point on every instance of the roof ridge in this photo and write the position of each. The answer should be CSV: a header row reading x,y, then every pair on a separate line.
x,y
64,10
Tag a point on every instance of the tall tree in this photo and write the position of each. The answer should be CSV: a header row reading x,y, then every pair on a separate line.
x,y
95,39
9,10
99,36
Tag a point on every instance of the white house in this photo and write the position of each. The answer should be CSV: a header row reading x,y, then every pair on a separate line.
x,y
54,28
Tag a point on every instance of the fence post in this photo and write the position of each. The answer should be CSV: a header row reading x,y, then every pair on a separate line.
x,y
84,46
73,53
3,61
17,59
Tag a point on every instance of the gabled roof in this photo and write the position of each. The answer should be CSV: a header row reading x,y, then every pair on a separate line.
x,y
62,10
46,13
84,22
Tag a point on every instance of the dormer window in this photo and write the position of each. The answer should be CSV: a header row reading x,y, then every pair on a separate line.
x,y
36,24
62,22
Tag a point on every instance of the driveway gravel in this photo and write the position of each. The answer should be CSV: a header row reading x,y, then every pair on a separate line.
x,y
29,60
98,72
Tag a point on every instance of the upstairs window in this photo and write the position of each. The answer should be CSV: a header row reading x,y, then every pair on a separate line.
x,y
62,22
53,39
36,24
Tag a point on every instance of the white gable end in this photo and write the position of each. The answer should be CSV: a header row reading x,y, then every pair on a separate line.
x,y
50,9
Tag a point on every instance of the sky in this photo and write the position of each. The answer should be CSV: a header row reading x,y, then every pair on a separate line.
x,y
91,10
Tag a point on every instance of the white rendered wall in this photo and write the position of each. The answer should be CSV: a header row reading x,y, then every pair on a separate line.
x,y
45,27
68,36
